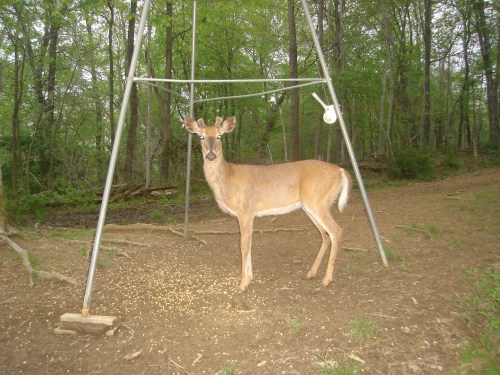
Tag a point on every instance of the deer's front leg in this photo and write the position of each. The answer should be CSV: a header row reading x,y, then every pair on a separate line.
x,y
246,230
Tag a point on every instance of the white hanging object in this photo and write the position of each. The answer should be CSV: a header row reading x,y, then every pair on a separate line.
x,y
330,116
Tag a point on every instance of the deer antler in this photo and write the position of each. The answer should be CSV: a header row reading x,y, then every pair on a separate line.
x,y
201,123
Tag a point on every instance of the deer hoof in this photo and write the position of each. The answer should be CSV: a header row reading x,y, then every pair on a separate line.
x,y
244,284
310,275
326,281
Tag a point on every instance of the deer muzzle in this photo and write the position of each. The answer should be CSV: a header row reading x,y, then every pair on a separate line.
x,y
211,156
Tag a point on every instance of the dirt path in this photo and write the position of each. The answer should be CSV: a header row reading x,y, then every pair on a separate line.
x,y
181,312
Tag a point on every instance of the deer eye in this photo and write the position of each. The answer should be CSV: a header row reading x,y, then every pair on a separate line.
x,y
202,137
219,136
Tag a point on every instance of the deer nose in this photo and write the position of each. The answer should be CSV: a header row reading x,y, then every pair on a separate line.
x,y
211,156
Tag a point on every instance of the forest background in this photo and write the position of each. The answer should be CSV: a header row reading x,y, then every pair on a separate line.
x,y
417,80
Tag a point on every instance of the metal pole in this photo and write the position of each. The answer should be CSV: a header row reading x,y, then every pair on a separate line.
x,y
112,162
242,80
350,151
191,114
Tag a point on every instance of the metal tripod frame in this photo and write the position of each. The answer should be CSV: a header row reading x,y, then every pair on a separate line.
x,y
192,81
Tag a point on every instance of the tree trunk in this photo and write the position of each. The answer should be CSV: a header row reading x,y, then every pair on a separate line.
x,y
98,108
427,73
271,118
294,93
111,77
149,116
50,133
464,122
18,98
134,100
338,54
384,135
491,80
166,138
319,126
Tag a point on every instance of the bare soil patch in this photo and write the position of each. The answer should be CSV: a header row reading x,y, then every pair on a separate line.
x,y
181,312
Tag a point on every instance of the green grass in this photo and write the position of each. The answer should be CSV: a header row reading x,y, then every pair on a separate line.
x,y
404,266
35,262
482,315
227,369
295,324
105,258
354,271
362,328
392,253
327,366
69,234
427,230
84,251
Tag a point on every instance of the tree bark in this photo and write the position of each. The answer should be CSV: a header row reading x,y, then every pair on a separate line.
x,y
491,79
271,118
134,100
98,108
111,77
319,126
166,137
427,73
338,54
49,129
18,98
149,116
294,93
464,122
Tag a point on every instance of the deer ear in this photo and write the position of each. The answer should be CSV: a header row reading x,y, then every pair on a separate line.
x,y
191,125
228,125
218,121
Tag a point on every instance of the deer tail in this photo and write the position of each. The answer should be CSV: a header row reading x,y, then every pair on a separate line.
x,y
345,188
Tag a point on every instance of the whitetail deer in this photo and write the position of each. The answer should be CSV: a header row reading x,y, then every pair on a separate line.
x,y
249,191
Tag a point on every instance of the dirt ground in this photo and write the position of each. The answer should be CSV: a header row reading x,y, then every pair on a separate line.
x,y
180,310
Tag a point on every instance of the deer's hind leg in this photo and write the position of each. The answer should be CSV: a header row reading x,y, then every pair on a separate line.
x,y
324,245
325,223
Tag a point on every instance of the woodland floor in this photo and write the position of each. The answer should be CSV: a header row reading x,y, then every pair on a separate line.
x,y
181,312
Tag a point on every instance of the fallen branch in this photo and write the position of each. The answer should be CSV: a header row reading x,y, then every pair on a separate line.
x,y
355,249
151,227
23,254
56,275
29,268
209,231
414,229
171,362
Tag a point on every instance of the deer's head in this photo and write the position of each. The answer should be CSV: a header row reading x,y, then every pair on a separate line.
x,y
210,136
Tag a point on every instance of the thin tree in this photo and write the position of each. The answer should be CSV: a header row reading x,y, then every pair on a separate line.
x,y
492,78
427,73
134,99
294,93
319,125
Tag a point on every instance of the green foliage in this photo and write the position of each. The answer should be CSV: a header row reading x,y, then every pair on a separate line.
x,y
35,262
452,161
227,369
295,323
481,314
105,257
483,306
362,328
411,163
327,366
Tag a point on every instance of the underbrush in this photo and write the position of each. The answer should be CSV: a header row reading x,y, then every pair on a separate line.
x,y
481,314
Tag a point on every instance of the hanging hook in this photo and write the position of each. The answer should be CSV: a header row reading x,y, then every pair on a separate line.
x,y
330,115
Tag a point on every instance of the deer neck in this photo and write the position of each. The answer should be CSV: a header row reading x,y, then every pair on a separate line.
x,y
215,171
216,174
